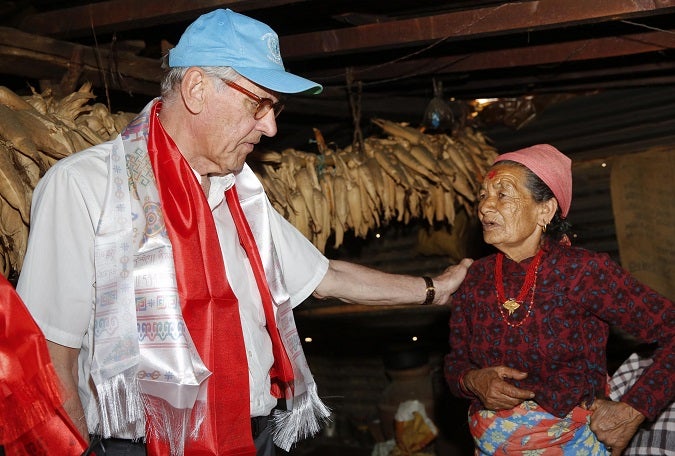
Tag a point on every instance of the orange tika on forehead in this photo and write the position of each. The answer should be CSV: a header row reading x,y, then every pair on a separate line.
x,y
491,174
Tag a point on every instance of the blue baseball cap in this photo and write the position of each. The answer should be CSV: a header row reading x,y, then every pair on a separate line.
x,y
225,38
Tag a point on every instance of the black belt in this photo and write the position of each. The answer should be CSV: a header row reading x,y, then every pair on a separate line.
x,y
258,424
98,445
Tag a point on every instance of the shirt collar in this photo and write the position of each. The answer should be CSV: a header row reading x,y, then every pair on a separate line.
x,y
219,185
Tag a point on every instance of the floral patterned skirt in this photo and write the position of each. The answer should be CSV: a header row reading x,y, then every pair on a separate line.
x,y
529,430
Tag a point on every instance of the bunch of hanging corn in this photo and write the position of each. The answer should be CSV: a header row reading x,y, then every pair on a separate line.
x,y
404,176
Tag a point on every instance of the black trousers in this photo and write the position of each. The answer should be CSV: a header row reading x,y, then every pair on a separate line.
x,y
260,429
262,436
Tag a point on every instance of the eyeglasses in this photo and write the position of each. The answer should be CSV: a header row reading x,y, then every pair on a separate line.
x,y
263,104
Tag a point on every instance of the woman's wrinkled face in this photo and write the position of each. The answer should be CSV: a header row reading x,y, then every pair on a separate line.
x,y
508,213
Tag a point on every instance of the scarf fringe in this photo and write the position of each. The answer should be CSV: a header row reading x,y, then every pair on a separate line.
x,y
172,425
121,406
306,418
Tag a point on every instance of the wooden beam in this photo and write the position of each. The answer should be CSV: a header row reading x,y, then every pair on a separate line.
x,y
412,107
468,24
120,15
117,15
533,55
39,57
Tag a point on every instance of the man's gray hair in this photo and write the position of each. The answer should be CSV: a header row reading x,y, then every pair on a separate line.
x,y
175,75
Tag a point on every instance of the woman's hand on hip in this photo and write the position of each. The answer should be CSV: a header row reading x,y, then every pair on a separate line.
x,y
614,423
493,389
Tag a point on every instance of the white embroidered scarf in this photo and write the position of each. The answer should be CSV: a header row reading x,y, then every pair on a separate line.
x,y
141,344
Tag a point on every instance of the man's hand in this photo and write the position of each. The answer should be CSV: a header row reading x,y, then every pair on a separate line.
x,y
358,284
449,280
492,388
614,423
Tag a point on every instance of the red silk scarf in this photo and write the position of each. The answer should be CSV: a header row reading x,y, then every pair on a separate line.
x,y
210,308
32,419
282,370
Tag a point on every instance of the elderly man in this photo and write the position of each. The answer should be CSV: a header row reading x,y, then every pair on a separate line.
x,y
163,279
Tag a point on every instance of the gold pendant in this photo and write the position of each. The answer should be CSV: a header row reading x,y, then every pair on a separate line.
x,y
511,305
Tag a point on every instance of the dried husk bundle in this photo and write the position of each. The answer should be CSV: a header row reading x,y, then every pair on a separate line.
x,y
402,176
35,132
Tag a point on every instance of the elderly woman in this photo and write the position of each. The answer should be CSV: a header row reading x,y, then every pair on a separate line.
x,y
529,326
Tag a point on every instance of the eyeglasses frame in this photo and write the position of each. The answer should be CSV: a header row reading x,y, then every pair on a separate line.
x,y
265,104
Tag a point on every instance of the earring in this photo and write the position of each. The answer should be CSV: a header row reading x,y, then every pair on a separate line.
x,y
543,228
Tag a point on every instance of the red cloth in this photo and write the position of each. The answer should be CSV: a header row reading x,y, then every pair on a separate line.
x,y
527,429
32,419
551,166
282,370
209,306
563,344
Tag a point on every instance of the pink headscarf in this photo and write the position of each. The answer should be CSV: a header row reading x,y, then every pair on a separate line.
x,y
551,166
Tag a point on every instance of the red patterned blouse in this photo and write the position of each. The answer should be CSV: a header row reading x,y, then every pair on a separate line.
x,y
560,339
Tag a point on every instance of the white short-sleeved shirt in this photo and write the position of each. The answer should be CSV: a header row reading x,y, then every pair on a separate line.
x,y
57,279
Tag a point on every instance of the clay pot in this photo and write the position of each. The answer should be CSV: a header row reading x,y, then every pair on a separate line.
x,y
408,383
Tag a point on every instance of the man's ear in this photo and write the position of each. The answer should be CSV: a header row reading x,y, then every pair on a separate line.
x,y
193,89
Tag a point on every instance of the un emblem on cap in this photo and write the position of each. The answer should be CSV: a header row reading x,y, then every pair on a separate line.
x,y
228,39
273,46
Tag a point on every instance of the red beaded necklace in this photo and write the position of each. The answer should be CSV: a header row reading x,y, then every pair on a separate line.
x,y
512,304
